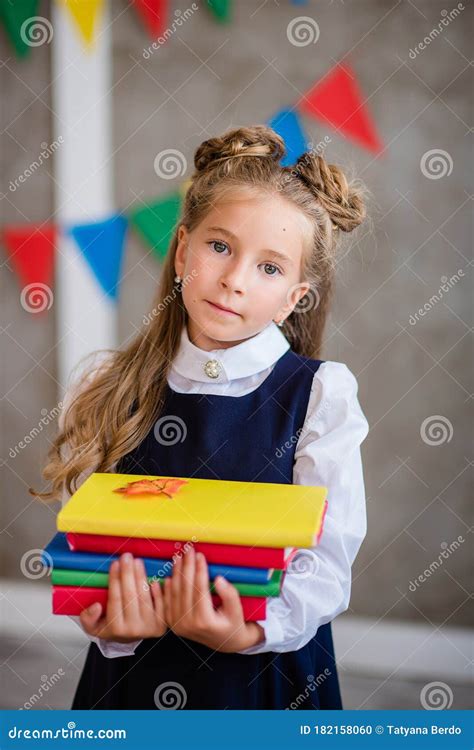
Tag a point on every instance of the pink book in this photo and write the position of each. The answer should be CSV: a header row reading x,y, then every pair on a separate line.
x,y
71,600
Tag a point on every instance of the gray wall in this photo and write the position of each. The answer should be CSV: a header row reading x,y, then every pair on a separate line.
x,y
418,494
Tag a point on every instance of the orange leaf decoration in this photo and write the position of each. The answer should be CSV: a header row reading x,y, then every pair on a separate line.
x,y
152,487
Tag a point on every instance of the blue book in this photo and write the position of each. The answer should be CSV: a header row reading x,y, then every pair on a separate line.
x,y
58,555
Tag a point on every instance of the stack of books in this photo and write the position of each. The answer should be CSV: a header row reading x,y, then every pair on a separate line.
x,y
247,531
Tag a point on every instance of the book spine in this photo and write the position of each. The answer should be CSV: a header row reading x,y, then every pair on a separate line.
x,y
224,554
71,600
83,578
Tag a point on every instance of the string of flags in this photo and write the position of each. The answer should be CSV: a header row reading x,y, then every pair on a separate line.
x,y
26,29
336,100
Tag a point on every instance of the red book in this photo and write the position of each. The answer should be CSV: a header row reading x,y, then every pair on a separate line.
x,y
71,600
225,554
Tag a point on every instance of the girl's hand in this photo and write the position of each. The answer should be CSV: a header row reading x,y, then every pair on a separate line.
x,y
135,609
190,613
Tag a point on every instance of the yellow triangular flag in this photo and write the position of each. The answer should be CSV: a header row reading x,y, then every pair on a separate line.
x,y
85,14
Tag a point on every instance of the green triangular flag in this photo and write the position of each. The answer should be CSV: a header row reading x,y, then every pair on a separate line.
x,y
24,35
221,9
157,221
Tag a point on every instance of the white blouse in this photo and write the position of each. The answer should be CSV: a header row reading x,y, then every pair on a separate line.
x,y
317,585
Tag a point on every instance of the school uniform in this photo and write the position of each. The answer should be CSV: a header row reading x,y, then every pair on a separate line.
x,y
255,412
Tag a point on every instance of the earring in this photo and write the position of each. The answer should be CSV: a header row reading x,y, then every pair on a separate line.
x,y
178,282
280,323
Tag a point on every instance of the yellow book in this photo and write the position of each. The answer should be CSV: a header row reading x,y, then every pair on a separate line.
x,y
201,510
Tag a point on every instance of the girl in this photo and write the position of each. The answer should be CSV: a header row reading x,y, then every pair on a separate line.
x,y
223,382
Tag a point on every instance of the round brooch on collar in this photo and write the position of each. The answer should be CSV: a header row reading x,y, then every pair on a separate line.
x,y
212,368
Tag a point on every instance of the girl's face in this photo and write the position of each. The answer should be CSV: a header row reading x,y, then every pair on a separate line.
x,y
245,256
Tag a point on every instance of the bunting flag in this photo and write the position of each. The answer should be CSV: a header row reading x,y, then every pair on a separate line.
x,y
157,221
31,250
287,124
22,25
338,101
154,15
85,14
221,9
102,245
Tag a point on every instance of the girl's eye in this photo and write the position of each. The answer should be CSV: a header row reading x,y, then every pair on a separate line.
x,y
216,242
220,247
270,265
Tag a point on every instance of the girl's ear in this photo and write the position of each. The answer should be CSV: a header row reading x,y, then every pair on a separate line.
x,y
180,255
294,294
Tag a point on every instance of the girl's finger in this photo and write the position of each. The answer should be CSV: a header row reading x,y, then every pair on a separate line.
x,y
114,614
90,618
202,600
167,601
175,589
188,572
145,601
158,600
129,592
231,605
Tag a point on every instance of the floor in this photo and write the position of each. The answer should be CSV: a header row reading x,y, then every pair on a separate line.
x,y
26,665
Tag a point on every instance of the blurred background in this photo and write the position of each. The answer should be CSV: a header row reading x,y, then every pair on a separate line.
x,y
103,106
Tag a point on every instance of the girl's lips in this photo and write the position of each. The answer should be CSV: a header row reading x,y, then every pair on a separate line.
x,y
221,309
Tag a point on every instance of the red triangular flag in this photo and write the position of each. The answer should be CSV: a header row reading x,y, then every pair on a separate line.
x,y
154,14
338,100
31,248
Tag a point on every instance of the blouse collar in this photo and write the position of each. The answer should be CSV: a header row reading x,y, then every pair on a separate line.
x,y
222,365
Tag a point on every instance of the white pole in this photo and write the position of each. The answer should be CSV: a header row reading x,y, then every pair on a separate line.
x,y
81,96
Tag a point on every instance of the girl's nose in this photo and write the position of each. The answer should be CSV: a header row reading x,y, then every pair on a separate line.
x,y
234,279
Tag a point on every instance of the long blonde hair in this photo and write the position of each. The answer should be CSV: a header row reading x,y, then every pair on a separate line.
x,y
100,425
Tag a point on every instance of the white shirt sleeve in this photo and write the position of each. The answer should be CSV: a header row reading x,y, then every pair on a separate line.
x,y
110,649
317,585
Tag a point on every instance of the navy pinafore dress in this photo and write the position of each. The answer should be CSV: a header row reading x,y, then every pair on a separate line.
x,y
232,438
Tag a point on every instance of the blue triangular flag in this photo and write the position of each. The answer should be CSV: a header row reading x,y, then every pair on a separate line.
x,y
287,124
102,245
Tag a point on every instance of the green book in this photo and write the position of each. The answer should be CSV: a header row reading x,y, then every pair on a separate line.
x,y
63,577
